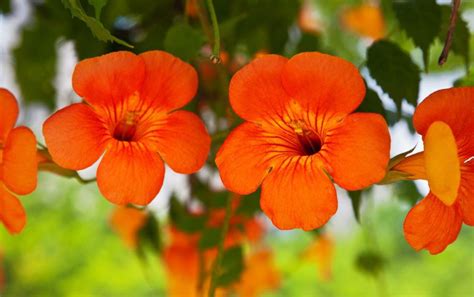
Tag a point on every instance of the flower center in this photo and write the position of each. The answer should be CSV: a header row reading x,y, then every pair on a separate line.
x,y
126,128
310,143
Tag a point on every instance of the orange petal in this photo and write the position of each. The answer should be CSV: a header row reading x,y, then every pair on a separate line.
x,y
183,142
20,167
256,91
12,213
108,79
432,225
325,84
357,152
241,160
454,107
298,194
169,82
466,192
75,136
129,173
8,113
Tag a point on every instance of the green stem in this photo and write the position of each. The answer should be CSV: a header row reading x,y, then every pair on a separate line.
x,y
215,58
220,249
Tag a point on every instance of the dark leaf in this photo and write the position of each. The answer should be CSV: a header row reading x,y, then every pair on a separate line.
x,y
407,191
421,20
184,41
231,267
356,198
370,262
394,72
183,219
209,238
5,6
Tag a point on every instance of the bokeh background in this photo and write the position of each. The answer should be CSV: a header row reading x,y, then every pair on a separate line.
x,y
70,246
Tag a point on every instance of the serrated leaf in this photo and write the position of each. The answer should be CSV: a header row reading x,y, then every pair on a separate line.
x,y
421,20
98,5
209,238
231,267
394,72
96,27
356,198
461,37
184,41
35,64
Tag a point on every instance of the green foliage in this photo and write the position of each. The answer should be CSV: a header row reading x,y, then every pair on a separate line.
x,y
35,63
183,219
96,27
184,41
209,238
5,6
421,20
98,5
149,236
407,191
394,71
231,267
372,103
356,199
370,262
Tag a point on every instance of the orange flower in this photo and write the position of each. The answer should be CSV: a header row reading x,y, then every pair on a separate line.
x,y
18,166
299,130
127,222
131,114
445,119
366,20
321,251
259,276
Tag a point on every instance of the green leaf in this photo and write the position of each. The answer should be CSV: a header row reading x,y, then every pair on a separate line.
x,y
183,219
467,81
98,5
461,37
407,191
149,234
249,205
209,238
356,198
5,6
231,267
96,27
309,42
184,41
370,262
394,72
35,63
372,103
421,20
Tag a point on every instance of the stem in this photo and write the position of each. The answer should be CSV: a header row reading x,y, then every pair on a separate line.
x,y
220,249
215,58
449,36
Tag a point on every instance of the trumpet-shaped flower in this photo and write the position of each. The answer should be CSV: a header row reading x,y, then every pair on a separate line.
x,y
299,135
445,119
18,165
130,117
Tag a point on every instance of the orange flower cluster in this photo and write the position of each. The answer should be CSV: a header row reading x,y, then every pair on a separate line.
x,y
18,165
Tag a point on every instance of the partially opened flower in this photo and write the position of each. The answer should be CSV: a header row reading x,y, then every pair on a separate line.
x,y
299,134
366,20
445,119
18,165
131,118
127,222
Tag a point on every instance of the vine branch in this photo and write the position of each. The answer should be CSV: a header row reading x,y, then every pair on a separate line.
x,y
450,34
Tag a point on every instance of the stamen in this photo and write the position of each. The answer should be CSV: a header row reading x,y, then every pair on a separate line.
x,y
309,141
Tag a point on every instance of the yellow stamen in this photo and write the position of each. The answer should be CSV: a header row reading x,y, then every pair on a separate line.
x,y
442,163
